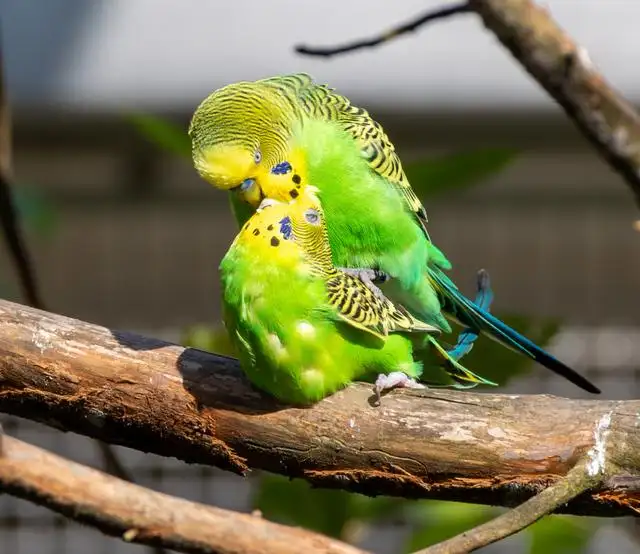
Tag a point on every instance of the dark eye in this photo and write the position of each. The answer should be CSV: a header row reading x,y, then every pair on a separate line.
x,y
247,184
257,157
312,216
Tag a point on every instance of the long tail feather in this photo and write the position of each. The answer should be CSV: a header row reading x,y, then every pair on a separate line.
x,y
468,336
471,315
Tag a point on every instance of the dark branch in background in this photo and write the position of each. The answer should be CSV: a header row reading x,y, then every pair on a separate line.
x,y
608,121
412,25
139,515
8,213
12,231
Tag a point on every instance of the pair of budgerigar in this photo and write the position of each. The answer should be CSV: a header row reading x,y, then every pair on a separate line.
x,y
333,276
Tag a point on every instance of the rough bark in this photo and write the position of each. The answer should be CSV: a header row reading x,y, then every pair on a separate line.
x,y
563,68
160,397
136,514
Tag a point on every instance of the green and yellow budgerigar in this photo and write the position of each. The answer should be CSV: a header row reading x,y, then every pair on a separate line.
x,y
303,328
272,138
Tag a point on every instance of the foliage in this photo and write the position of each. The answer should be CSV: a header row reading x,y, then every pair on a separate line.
x,y
457,170
163,134
35,210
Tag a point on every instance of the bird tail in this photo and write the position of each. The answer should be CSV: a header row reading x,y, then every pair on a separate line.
x,y
475,318
464,378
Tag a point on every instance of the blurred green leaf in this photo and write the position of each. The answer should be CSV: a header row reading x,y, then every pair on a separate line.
x,y
296,503
560,534
438,521
164,134
331,512
456,171
209,338
35,210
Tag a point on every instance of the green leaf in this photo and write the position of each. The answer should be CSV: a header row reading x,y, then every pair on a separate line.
x,y
164,134
456,171
335,513
209,338
560,534
438,521
35,210
296,503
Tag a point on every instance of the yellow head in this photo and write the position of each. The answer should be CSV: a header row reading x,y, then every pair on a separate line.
x,y
239,134
295,229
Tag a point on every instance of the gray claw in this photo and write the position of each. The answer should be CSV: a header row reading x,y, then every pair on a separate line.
x,y
369,277
393,380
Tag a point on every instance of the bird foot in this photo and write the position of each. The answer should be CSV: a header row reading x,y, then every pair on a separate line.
x,y
369,277
393,380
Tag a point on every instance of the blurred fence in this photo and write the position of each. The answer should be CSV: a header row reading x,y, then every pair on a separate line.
x,y
137,238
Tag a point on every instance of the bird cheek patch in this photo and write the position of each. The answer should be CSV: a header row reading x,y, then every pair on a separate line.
x,y
282,168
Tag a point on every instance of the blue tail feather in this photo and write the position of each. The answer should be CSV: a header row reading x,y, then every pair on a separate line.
x,y
468,336
479,320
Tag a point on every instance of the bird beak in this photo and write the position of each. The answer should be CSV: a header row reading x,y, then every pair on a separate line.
x,y
253,196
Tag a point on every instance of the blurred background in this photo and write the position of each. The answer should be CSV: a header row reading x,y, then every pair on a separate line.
x,y
125,234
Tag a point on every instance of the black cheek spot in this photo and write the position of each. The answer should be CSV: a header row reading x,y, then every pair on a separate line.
x,y
294,193
275,241
270,228
296,179
256,232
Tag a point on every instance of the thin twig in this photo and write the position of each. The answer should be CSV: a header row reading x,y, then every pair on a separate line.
x,y
139,515
577,481
561,66
395,32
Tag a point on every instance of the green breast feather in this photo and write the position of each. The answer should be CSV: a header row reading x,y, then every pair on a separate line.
x,y
304,329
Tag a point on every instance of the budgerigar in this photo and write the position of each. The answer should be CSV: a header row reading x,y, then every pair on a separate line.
x,y
271,138
303,328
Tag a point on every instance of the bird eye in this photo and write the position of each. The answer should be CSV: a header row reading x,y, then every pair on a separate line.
x,y
312,216
247,184
257,157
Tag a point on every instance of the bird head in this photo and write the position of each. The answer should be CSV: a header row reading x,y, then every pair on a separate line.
x,y
239,133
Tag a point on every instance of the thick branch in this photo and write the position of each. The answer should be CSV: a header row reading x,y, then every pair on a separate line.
x,y
139,515
564,70
159,397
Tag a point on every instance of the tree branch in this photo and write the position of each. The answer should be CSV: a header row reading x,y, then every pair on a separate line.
x,y
577,481
9,220
159,397
558,64
139,515
395,32
564,70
